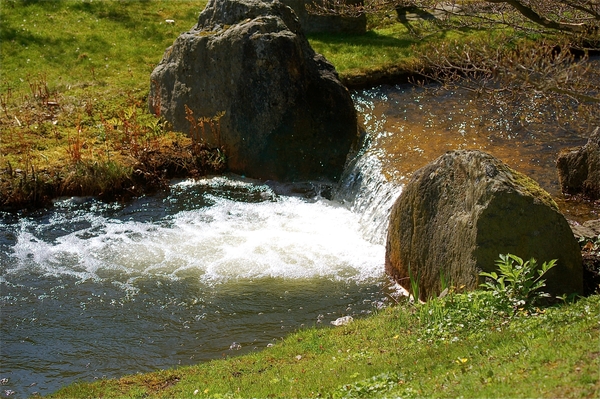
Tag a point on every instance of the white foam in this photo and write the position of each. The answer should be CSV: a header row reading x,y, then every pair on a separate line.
x,y
369,195
288,238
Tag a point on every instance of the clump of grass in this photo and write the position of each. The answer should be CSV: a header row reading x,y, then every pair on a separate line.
x,y
105,147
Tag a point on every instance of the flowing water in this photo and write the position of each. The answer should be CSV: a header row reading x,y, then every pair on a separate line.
x,y
223,266
411,126
93,290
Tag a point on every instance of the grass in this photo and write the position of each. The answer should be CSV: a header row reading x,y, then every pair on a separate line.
x,y
390,49
458,346
73,89
362,53
78,44
74,83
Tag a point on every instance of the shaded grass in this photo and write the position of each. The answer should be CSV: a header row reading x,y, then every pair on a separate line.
x,y
374,49
553,353
79,42
390,53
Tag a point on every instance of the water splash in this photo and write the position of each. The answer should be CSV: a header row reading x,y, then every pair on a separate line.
x,y
364,187
369,194
272,237
93,290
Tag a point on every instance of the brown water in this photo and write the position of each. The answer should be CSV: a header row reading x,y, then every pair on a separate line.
x,y
410,127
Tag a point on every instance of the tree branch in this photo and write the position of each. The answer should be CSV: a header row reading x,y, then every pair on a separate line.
x,y
533,16
588,10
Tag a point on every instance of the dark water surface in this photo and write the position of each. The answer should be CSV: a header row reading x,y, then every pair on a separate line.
x,y
92,290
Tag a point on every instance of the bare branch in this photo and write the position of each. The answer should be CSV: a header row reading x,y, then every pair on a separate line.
x,y
575,17
588,7
539,19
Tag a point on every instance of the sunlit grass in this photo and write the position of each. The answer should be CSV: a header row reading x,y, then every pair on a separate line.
x,y
73,86
85,43
396,354
394,47
71,70
363,52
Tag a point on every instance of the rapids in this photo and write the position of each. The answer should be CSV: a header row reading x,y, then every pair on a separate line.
x,y
93,290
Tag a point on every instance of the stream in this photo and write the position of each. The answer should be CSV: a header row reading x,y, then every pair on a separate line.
x,y
224,265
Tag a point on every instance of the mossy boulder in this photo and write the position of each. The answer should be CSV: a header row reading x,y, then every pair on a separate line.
x,y
579,169
458,213
245,79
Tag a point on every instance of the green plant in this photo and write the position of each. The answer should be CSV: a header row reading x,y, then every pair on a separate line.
x,y
414,284
445,283
370,387
519,283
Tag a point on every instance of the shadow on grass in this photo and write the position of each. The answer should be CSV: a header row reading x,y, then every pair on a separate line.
x,y
394,39
52,48
368,39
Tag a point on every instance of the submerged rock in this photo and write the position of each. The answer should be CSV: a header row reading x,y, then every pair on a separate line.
x,y
246,79
457,214
579,169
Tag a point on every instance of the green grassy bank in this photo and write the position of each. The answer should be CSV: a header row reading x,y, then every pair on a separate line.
x,y
74,83
73,87
459,346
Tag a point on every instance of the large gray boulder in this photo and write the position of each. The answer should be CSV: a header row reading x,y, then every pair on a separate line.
x,y
457,214
319,23
283,113
579,169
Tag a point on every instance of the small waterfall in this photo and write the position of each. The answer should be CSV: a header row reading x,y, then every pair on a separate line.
x,y
364,187
369,194
91,290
